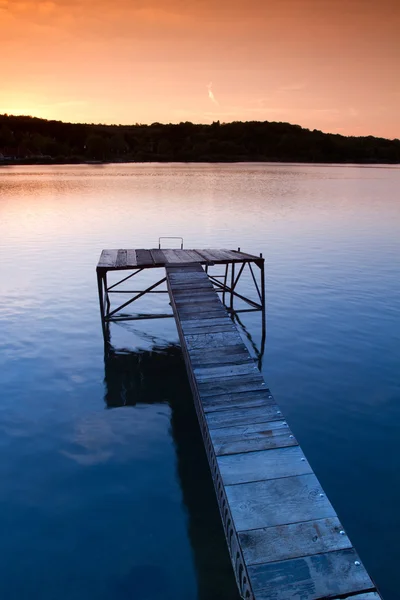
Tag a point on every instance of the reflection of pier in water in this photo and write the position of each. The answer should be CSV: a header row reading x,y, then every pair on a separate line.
x,y
156,377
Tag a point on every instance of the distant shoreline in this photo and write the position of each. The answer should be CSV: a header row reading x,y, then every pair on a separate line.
x,y
27,141
54,162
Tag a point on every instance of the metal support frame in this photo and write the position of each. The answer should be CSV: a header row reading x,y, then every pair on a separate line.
x,y
220,283
258,305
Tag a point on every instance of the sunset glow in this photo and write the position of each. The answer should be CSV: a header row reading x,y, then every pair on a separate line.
x,y
326,64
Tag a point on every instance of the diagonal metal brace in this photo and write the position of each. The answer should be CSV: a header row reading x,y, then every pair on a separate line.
x,y
124,279
136,297
231,291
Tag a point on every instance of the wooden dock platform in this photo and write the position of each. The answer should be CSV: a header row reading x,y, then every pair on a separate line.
x,y
284,537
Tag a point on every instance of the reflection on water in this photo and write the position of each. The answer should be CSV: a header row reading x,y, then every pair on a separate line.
x,y
94,500
158,377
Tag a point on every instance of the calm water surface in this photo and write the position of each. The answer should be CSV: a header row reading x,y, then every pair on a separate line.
x,y
105,490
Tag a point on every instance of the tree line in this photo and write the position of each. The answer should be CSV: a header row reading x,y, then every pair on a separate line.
x,y
32,140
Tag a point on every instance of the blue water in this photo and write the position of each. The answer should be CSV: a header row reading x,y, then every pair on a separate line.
x,y
105,490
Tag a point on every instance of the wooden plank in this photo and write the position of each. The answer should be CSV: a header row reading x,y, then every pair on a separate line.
x,y
284,542
183,267
223,255
192,287
187,295
207,321
223,358
243,383
202,307
179,279
144,258
215,255
220,320
198,298
246,256
222,351
249,438
196,302
158,257
195,256
121,259
131,258
206,256
196,342
186,276
108,258
207,373
189,257
192,314
230,417
176,256
198,310
182,289
237,400
200,327
263,465
231,350
310,578
278,502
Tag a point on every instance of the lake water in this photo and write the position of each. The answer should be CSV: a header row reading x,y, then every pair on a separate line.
x,y
105,489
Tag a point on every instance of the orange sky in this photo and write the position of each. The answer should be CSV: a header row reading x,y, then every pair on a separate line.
x,y
325,64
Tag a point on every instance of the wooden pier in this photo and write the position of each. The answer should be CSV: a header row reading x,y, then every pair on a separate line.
x,y
284,537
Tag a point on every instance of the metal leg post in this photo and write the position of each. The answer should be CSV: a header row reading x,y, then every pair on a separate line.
x,y
225,280
101,302
232,284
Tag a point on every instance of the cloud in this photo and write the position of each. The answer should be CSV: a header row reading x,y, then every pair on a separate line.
x,y
211,94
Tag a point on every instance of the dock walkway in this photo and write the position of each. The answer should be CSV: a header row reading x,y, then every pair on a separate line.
x,y
284,537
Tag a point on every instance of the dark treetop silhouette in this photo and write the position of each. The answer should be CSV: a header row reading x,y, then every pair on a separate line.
x,y
32,140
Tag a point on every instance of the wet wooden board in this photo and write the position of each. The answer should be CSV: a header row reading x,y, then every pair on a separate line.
x,y
278,502
241,383
144,258
238,400
201,297
158,257
176,256
285,539
211,373
121,259
272,544
108,258
206,341
193,327
131,259
311,577
209,358
207,321
249,438
231,416
210,313
263,465
195,256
